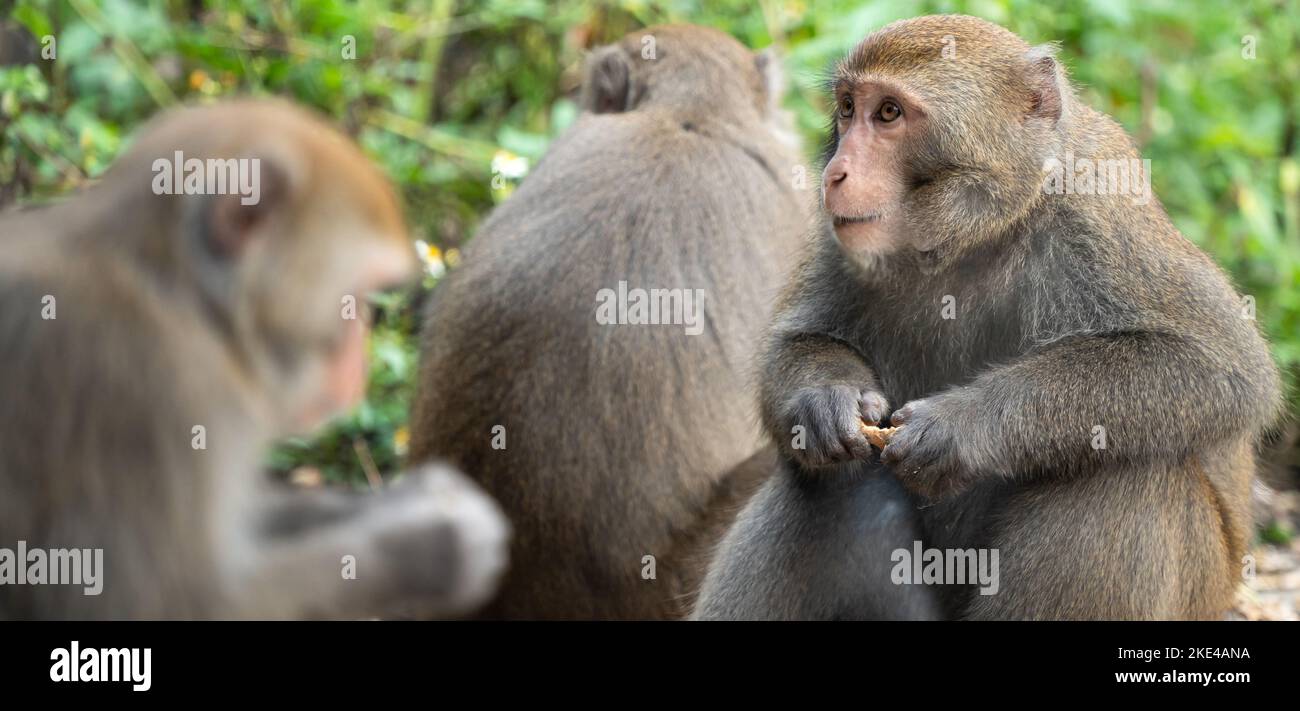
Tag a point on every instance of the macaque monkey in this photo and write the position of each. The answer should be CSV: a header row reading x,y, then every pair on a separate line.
x,y
159,330
1077,387
609,441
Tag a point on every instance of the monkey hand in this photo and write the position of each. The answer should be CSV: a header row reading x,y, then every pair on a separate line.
x,y
447,537
825,423
927,452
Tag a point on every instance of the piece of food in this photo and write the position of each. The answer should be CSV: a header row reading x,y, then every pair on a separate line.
x,y
878,436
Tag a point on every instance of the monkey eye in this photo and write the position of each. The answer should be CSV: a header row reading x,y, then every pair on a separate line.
x,y
889,111
846,107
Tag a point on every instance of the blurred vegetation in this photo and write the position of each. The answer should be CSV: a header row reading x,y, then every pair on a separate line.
x,y
454,98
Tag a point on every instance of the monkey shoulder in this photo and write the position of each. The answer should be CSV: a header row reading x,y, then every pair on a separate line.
x,y
620,190
657,152
85,339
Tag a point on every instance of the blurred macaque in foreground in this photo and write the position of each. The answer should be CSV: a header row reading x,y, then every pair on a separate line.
x,y
158,332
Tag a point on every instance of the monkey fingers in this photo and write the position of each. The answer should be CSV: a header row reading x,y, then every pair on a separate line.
x,y
923,451
831,419
872,406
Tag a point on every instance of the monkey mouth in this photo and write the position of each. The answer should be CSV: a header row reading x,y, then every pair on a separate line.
x,y
842,220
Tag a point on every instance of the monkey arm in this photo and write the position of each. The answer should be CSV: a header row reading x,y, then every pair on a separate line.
x,y
801,350
318,556
1094,400
434,543
816,389
816,393
801,360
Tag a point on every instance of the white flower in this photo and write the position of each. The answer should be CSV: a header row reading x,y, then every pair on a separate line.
x,y
509,165
432,258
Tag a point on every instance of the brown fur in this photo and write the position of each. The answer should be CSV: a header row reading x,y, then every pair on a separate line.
x,y
176,311
618,436
1072,311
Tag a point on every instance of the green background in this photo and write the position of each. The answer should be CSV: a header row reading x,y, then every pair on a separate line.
x,y
439,88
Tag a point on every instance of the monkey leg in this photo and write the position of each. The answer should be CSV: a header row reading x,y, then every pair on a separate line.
x,y
1123,544
818,545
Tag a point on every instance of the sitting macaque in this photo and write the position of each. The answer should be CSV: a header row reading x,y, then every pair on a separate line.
x,y
1075,384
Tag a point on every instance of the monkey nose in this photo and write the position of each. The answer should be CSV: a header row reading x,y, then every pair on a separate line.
x,y
835,174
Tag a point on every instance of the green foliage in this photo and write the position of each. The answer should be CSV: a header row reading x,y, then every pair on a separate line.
x,y
1277,533
438,89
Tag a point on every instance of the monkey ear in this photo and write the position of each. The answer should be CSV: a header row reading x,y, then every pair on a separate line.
x,y
607,85
231,220
218,229
1046,84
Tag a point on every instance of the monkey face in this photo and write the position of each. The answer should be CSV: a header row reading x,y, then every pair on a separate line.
x,y
940,129
863,183
286,275
325,321
341,358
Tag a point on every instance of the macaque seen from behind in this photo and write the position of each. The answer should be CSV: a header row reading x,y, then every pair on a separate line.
x,y
606,439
